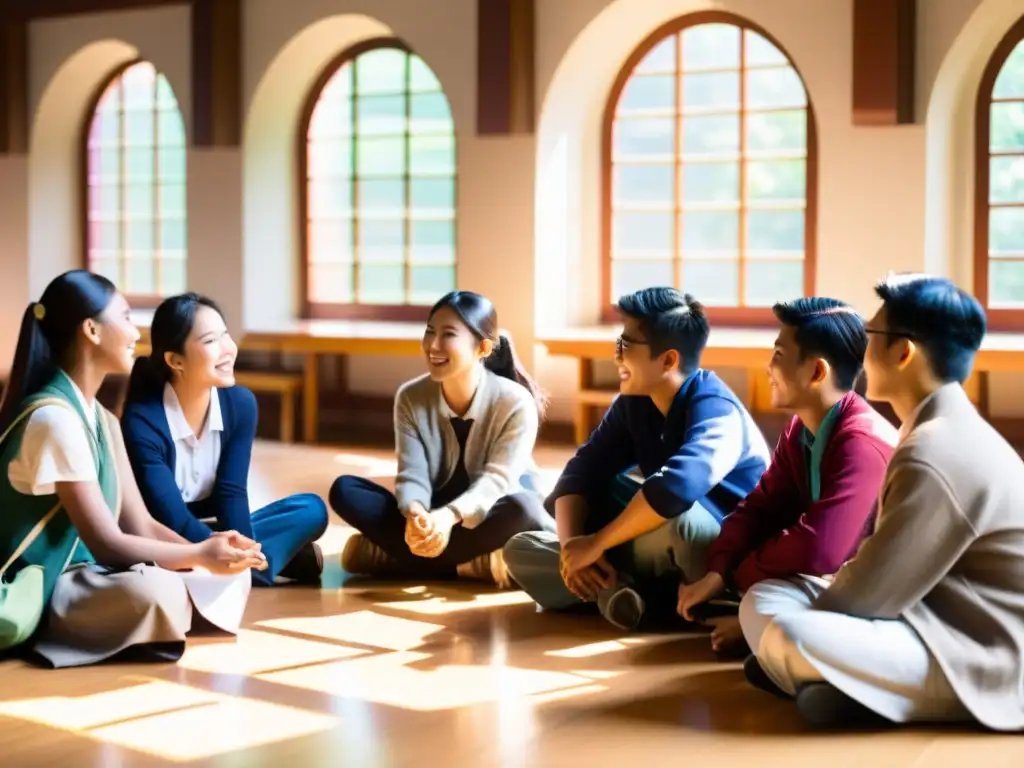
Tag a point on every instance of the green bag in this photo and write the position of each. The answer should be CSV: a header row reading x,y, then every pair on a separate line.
x,y
23,600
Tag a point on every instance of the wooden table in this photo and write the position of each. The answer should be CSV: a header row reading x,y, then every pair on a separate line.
x,y
747,348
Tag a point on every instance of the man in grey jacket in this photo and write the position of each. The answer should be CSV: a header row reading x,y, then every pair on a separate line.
x,y
926,622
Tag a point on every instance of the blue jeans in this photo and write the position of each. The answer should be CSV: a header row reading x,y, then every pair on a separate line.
x,y
285,527
673,553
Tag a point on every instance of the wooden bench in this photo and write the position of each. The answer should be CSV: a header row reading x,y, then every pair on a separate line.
x,y
287,385
744,348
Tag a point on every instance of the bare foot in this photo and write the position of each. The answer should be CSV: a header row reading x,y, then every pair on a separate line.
x,y
727,634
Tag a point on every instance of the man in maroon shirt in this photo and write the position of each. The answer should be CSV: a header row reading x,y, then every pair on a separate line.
x,y
814,503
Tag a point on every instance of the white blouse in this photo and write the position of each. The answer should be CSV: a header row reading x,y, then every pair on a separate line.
x,y
55,449
196,458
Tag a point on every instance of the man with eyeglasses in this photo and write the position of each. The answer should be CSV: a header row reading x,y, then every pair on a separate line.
x,y
926,621
641,501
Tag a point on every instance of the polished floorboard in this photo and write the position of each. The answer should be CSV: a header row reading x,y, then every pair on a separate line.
x,y
430,674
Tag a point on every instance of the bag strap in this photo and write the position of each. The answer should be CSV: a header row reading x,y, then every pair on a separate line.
x,y
37,529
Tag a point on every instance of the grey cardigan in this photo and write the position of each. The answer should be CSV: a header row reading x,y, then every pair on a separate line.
x,y
499,449
947,555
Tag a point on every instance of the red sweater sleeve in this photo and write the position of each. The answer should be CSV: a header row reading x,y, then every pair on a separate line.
x,y
825,536
757,515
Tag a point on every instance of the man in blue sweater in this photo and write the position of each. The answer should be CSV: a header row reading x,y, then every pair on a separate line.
x,y
641,501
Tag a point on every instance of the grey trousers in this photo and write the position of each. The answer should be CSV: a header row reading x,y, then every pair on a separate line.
x,y
677,550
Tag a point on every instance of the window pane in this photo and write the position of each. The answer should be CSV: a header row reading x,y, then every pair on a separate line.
x,y
141,274
106,128
710,231
1010,82
141,162
773,231
105,235
139,83
380,157
711,46
381,71
776,180
165,98
107,267
715,283
629,276
421,77
643,137
759,52
711,182
1006,232
1006,179
430,114
432,155
777,131
331,118
430,283
140,200
381,196
433,195
381,284
638,184
173,235
173,275
432,241
105,200
714,90
646,234
380,240
330,240
329,158
380,115
171,161
775,88
648,92
1007,128
711,135
139,234
171,129
331,283
770,281
661,58
172,200
140,128
329,198
1006,284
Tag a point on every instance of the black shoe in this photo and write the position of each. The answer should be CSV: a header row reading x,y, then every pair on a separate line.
x,y
306,566
825,706
758,678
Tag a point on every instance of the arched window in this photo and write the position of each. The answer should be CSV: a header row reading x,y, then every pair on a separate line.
x,y
999,189
709,170
136,231
379,194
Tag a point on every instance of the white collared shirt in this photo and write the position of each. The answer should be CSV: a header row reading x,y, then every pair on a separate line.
x,y
54,449
195,458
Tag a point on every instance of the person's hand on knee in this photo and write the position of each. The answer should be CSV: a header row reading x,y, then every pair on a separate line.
x,y
692,595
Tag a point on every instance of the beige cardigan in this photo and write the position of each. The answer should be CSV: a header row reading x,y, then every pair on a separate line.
x,y
947,555
499,449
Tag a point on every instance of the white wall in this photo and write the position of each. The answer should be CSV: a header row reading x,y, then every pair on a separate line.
x,y
889,198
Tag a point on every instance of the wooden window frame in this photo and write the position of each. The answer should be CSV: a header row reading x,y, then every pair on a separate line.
x,y
354,311
730,316
998,319
138,301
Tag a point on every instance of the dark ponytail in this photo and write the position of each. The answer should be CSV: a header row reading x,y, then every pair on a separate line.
x,y
479,315
49,331
172,324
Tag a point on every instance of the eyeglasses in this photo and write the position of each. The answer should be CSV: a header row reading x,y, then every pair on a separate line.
x,y
623,342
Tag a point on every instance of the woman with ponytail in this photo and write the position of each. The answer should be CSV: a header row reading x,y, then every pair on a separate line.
x,y
464,436
85,572
189,430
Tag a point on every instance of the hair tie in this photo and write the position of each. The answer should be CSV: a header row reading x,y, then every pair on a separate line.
x,y
39,311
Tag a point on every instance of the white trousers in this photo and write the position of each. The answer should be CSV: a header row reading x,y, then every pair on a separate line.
x,y
880,663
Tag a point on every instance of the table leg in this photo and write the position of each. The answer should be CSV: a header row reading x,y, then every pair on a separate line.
x,y
311,398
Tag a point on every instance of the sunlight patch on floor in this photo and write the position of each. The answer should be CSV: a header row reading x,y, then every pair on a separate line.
x,y
360,627
253,652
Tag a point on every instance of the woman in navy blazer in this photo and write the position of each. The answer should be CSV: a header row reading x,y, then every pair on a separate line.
x,y
189,432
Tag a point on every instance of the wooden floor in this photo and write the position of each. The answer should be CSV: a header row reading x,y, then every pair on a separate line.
x,y
429,675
